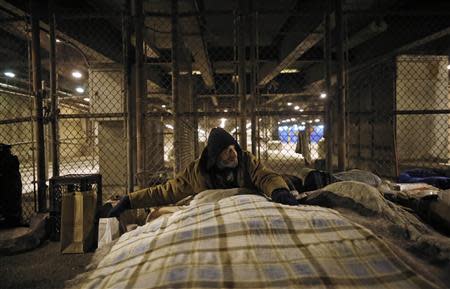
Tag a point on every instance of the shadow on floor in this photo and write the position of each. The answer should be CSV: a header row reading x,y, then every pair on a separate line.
x,y
43,267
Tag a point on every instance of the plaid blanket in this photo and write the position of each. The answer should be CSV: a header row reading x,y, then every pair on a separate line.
x,y
247,242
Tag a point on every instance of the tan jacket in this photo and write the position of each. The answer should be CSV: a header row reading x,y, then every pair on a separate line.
x,y
251,174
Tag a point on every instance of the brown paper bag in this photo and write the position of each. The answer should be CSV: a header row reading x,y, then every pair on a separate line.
x,y
77,222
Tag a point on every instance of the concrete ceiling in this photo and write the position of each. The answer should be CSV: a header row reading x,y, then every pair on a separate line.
x,y
290,35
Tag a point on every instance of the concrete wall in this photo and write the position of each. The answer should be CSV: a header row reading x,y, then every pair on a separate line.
x,y
422,84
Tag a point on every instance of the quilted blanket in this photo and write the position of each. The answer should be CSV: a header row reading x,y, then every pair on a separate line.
x,y
246,241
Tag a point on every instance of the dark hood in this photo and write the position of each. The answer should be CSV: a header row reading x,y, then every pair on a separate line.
x,y
218,140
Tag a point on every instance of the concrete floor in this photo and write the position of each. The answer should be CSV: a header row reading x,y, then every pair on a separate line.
x,y
42,268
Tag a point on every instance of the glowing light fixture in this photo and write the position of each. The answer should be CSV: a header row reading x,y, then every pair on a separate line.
x,y
10,74
297,107
79,89
289,103
86,99
323,95
169,126
316,120
289,70
163,106
76,74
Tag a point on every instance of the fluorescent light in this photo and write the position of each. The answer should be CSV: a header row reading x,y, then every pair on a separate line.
x,y
289,70
196,72
289,103
169,126
323,95
163,106
79,89
297,107
76,74
10,74
316,120
86,99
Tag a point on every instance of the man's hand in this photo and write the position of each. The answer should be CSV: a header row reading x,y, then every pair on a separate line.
x,y
124,204
285,197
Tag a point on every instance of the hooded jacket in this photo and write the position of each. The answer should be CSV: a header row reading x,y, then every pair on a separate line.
x,y
199,176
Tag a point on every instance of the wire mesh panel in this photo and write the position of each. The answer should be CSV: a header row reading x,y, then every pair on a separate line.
x,y
398,96
16,105
92,131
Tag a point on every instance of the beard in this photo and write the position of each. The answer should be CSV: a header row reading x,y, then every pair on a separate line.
x,y
230,164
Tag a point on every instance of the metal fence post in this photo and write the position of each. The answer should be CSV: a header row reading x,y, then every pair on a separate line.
x,y
38,108
340,87
329,102
242,75
253,78
175,76
53,96
140,122
130,97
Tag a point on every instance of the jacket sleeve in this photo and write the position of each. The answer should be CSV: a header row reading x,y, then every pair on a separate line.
x,y
168,193
263,178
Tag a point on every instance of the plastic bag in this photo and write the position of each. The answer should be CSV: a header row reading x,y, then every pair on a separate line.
x,y
108,231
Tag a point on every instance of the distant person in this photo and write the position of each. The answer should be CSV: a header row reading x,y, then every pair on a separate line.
x,y
222,165
303,144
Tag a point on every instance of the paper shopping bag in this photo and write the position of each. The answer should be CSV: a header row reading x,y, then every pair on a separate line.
x,y
108,230
78,221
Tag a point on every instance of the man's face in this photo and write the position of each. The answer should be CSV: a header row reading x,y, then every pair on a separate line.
x,y
228,158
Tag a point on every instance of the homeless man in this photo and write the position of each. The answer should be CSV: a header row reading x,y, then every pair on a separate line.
x,y
222,165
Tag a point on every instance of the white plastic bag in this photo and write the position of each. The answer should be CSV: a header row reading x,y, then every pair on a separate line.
x,y
108,230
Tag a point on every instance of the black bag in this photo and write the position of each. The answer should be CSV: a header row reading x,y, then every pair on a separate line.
x,y
10,188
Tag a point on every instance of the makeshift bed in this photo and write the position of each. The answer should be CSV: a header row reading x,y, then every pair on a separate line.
x,y
223,240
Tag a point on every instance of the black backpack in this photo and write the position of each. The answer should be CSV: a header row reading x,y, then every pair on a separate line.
x,y
10,188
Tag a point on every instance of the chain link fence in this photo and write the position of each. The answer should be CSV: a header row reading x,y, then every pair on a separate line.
x,y
255,70
398,96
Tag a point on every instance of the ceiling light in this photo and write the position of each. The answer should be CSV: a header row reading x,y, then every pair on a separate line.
x,y
79,89
86,99
225,110
316,120
196,72
323,95
289,70
309,121
297,107
163,106
169,126
76,74
58,40
10,74
289,103
448,67
303,123
302,110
